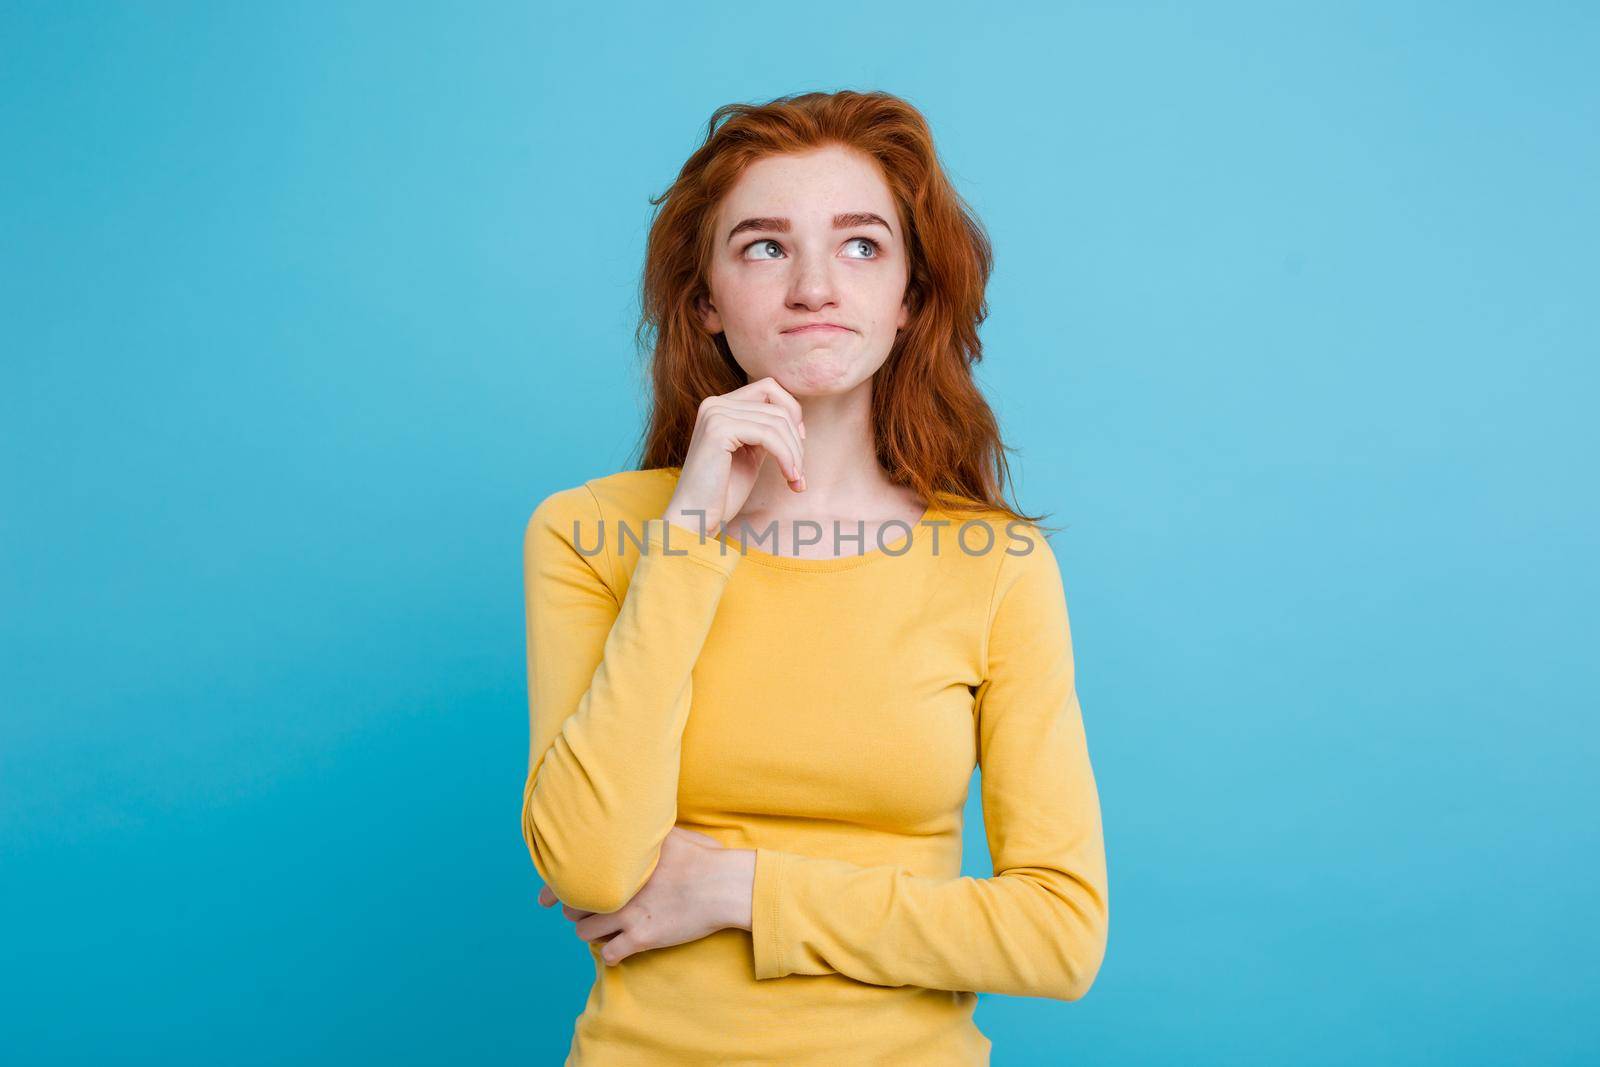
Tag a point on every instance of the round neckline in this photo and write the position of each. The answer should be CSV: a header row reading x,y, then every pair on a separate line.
x,y
896,549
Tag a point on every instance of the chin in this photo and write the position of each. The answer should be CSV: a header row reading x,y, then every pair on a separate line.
x,y
820,373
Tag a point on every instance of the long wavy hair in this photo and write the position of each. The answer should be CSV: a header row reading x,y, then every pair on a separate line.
x,y
933,429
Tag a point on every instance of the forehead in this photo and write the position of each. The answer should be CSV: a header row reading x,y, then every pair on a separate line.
x,y
813,186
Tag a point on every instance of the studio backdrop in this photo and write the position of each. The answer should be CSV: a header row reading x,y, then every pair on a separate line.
x,y
304,307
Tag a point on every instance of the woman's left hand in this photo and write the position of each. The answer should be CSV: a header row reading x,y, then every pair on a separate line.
x,y
697,888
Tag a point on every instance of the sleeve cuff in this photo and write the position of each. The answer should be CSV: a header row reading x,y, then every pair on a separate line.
x,y
766,900
669,539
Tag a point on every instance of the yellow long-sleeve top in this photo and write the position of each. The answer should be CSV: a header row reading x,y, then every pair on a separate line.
x,y
828,714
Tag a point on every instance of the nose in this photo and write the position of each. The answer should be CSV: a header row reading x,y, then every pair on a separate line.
x,y
812,285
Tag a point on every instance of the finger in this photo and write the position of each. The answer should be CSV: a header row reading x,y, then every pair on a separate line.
x,y
764,408
617,949
715,408
775,416
547,896
771,392
767,413
734,429
597,925
574,913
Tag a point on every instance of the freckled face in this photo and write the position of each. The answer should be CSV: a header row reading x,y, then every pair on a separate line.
x,y
810,238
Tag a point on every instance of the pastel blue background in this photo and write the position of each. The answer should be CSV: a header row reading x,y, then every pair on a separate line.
x,y
305,306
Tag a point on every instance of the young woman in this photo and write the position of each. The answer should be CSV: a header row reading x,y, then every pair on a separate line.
x,y
763,665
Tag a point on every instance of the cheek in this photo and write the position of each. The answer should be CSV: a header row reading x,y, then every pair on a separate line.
x,y
887,297
742,302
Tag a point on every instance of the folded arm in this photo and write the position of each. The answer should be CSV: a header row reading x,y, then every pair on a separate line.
x,y
608,693
1039,926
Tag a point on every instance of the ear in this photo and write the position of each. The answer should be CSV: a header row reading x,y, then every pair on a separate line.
x,y
905,315
708,314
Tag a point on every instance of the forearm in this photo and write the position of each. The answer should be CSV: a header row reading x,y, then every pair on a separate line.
x,y
601,800
610,691
1028,932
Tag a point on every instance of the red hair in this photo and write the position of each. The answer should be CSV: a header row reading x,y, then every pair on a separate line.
x,y
932,427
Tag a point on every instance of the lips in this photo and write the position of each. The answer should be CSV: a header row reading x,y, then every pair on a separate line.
x,y
817,327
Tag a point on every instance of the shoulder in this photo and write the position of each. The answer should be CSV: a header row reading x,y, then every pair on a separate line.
x,y
632,496
594,520
1002,549
1027,585
628,496
1026,556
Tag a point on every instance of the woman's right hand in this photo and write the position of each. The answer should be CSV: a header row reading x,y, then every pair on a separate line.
x,y
733,435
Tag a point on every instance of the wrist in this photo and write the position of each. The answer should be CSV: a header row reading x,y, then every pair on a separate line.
x,y
735,886
695,520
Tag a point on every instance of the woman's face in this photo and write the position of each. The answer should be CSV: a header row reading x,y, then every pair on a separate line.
x,y
801,239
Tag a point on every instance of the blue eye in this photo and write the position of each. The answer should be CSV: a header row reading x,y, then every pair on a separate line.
x,y
877,249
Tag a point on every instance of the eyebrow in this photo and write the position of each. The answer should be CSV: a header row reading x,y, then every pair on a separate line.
x,y
844,221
